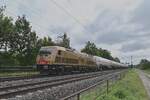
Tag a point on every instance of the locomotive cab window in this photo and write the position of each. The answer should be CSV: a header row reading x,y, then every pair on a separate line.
x,y
59,52
44,52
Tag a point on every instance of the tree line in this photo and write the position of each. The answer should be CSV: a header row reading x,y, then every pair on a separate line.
x,y
19,44
144,64
92,49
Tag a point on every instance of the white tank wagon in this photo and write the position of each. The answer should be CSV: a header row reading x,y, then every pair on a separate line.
x,y
103,64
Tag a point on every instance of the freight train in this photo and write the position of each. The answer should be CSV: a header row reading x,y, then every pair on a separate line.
x,y
60,60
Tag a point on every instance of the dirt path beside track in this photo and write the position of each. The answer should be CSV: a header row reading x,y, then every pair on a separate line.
x,y
146,80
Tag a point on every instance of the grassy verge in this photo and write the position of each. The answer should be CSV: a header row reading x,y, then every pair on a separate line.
x,y
13,74
93,93
147,71
129,88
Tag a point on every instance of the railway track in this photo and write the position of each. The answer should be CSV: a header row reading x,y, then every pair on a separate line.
x,y
11,91
3,79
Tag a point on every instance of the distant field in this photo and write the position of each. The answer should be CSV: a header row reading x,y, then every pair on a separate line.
x,y
129,88
28,73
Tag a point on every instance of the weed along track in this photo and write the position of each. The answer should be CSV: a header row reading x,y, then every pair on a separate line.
x,y
7,91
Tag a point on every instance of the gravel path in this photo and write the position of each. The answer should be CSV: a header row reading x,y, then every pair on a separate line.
x,y
146,80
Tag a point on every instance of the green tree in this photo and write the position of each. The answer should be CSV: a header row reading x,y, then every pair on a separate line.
x,y
6,30
46,41
104,53
24,41
116,59
90,48
64,41
144,64
18,43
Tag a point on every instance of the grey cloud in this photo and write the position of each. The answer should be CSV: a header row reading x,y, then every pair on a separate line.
x,y
105,26
111,38
103,21
141,17
118,37
108,33
142,14
59,29
135,46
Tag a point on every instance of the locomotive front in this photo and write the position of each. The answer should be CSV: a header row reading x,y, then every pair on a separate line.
x,y
45,58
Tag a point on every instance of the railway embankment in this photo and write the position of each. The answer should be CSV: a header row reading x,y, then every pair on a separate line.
x,y
15,71
145,77
129,88
147,71
18,74
55,89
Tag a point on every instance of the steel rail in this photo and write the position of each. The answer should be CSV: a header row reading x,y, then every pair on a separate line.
x,y
90,87
47,81
17,90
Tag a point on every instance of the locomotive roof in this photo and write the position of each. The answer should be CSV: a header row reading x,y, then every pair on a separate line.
x,y
55,47
99,59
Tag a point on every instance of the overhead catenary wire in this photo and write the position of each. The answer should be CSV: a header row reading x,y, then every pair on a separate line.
x,y
35,25
36,13
69,14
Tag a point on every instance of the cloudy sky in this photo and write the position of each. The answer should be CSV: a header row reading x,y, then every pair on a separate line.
x,y
120,26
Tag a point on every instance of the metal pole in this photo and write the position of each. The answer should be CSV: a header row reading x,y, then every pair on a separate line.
x,y
107,86
131,61
78,96
120,76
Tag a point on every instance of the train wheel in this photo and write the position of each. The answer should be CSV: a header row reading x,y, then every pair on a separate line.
x,y
60,71
44,72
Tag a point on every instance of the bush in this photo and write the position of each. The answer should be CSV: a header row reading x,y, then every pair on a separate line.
x,y
144,64
7,59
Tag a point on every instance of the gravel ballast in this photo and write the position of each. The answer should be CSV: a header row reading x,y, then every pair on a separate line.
x,y
55,93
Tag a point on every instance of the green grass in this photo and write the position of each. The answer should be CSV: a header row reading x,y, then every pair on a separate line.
x,y
93,93
147,71
129,88
13,74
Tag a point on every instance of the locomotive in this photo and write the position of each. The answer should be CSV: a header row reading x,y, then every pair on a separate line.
x,y
59,60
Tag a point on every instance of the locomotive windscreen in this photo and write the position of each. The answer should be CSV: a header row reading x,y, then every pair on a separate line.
x,y
43,52
46,51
